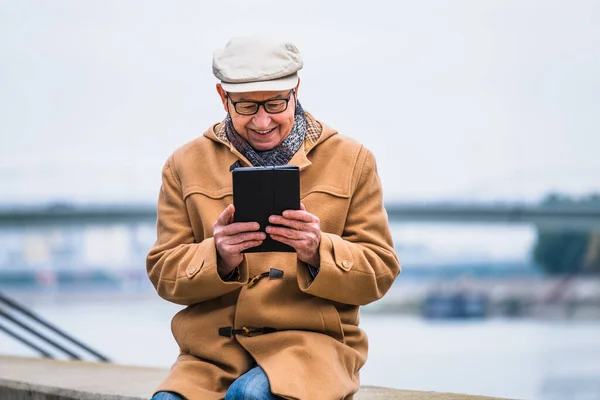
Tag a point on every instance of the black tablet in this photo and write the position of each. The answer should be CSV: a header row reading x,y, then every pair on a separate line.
x,y
259,192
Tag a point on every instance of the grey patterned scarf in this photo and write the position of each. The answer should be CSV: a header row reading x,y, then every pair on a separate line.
x,y
281,154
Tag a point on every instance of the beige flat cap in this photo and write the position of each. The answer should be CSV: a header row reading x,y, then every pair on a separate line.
x,y
257,63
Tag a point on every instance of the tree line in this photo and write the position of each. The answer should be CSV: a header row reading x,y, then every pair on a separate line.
x,y
568,252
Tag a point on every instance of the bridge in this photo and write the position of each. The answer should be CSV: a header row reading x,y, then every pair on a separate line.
x,y
560,217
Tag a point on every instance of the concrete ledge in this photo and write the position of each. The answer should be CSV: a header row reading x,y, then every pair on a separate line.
x,y
41,379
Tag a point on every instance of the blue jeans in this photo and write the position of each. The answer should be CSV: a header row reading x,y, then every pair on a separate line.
x,y
253,385
166,396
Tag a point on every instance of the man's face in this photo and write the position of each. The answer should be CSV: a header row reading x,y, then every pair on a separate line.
x,y
263,131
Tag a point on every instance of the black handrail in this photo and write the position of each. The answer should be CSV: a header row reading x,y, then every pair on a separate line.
x,y
15,306
39,335
25,341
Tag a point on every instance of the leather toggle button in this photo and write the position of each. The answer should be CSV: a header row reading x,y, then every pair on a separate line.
x,y
275,273
226,331
272,274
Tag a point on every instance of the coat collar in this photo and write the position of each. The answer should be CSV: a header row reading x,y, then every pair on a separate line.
x,y
320,133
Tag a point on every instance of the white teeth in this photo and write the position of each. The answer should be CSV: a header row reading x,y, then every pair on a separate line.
x,y
263,132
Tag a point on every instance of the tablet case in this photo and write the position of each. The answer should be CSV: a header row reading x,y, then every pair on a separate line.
x,y
259,192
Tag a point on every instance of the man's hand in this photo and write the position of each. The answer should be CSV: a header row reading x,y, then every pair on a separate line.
x,y
232,238
301,230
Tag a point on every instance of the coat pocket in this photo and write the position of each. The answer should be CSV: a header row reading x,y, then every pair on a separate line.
x,y
330,204
204,207
325,189
332,324
177,331
210,193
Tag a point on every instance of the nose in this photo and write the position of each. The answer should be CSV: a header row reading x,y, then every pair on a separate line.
x,y
261,119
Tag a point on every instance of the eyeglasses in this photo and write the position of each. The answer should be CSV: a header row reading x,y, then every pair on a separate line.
x,y
273,106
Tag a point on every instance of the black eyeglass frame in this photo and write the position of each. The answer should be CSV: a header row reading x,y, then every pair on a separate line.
x,y
261,103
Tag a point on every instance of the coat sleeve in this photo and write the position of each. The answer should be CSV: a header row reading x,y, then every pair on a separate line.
x,y
182,270
360,266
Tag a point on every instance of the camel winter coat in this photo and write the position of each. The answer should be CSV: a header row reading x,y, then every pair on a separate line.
x,y
303,332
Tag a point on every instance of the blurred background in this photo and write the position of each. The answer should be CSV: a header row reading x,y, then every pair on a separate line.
x,y
484,118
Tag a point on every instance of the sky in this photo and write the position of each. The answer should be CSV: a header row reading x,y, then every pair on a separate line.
x,y
471,101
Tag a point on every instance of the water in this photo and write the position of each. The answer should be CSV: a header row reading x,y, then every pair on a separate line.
x,y
525,359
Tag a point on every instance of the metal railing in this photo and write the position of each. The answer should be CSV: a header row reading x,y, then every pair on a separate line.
x,y
35,326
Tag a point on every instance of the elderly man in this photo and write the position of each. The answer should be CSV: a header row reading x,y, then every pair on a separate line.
x,y
294,333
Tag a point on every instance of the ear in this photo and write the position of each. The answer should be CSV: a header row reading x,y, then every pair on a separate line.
x,y
223,97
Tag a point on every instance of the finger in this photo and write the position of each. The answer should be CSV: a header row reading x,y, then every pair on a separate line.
x,y
245,237
301,246
240,227
301,215
289,233
291,223
231,217
238,248
302,207
226,216
290,242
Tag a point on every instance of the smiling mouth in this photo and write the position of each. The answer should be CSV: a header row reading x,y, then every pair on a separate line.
x,y
263,132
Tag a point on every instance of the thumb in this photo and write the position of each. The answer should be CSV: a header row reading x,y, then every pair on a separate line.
x,y
226,216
